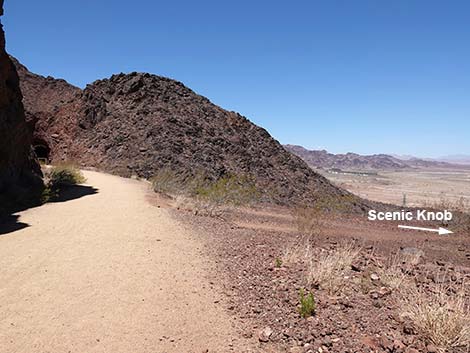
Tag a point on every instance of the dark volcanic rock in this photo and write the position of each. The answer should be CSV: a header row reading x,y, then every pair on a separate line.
x,y
19,173
138,123
51,105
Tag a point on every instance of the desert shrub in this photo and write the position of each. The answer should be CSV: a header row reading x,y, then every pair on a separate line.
x,y
167,181
460,208
278,262
59,176
329,270
335,203
441,317
307,303
49,194
461,204
206,196
63,175
213,198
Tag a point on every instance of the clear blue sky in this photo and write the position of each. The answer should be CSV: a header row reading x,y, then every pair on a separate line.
x,y
364,76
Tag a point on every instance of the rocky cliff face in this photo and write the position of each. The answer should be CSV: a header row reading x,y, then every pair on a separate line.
x,y
19,173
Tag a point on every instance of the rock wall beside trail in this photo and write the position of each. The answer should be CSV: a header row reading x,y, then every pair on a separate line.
x,y
19,172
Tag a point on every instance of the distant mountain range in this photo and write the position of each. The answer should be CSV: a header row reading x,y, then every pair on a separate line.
x,y
453,159
353,161
458,159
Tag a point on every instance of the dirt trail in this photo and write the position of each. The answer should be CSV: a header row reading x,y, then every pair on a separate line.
x,y
107,272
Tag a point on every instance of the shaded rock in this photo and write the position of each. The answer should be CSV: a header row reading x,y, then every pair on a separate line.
x,y
409,251
20,182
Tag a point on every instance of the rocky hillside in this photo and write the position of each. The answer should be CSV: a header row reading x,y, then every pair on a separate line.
x,y
137,124
51,105
19,173
140,123
355,162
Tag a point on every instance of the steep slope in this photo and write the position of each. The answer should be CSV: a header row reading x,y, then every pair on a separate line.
x,y
136,124
19,173
140,123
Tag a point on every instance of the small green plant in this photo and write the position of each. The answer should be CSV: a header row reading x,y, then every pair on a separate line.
x,y
49,194
307,304
278,262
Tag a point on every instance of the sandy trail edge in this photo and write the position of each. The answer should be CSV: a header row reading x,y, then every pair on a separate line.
x,y
108,273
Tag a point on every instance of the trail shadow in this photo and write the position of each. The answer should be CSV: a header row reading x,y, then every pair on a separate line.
x,y
10,224
73,192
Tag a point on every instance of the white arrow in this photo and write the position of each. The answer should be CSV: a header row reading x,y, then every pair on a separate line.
x,y
441,231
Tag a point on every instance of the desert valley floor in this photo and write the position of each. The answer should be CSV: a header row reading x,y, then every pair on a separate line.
x,y
422,187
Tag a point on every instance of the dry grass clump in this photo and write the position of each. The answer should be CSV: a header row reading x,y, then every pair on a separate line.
x,y
441,317
394,272
298,252
310,221
330,268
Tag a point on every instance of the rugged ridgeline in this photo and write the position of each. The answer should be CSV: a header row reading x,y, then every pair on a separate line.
x,y
353,161
350,161
137,124
19,173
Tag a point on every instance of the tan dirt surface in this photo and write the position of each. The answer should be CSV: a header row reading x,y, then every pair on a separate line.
x,y
108,272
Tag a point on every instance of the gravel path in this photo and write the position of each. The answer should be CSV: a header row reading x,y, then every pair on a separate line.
x,y
108,272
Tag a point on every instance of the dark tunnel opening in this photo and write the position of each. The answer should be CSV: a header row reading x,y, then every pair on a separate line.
x,y
42,151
